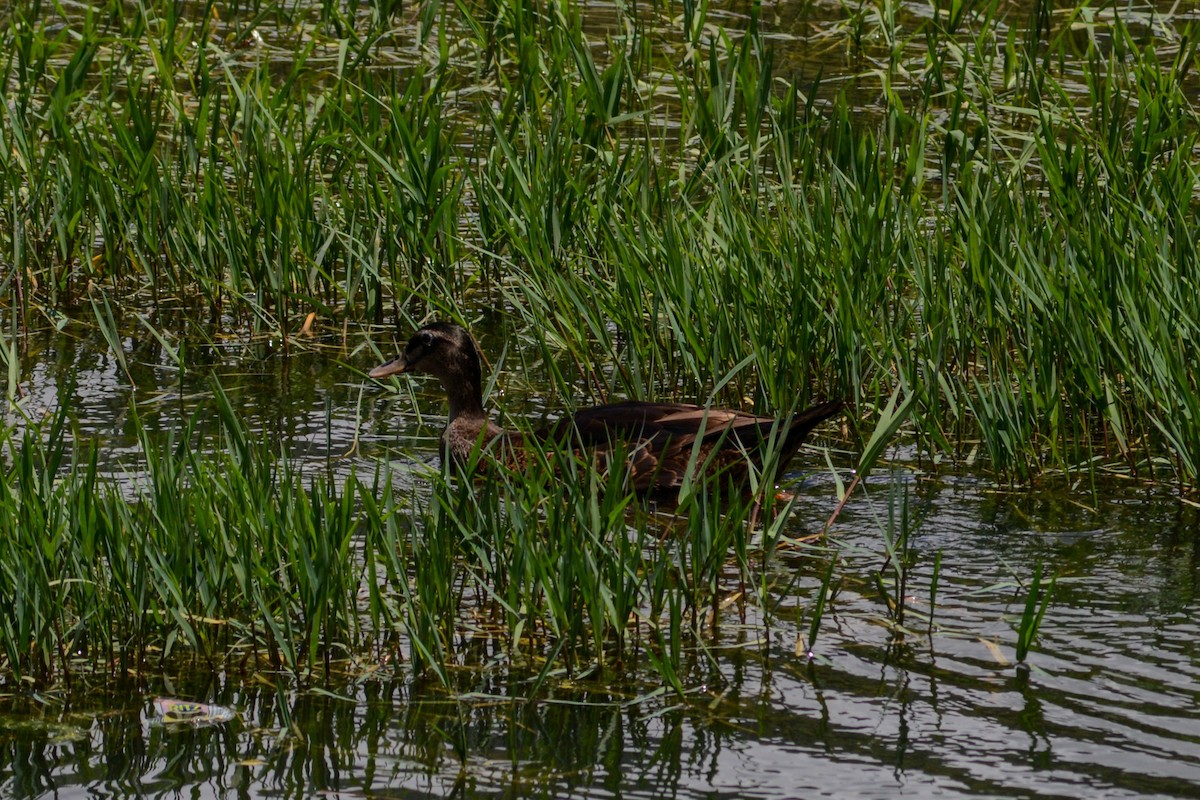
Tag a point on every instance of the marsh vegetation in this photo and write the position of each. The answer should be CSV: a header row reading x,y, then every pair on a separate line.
x,y
974,220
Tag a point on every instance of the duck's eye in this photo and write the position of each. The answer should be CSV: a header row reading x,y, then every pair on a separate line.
x,y
427,338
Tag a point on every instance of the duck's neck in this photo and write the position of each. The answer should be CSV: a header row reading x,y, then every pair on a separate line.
x,y
463,383
468,424
466,398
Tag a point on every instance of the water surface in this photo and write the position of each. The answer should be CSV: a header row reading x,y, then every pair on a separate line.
x,y
1108,707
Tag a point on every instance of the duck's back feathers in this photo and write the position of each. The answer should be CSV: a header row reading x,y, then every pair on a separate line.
x,y
660,440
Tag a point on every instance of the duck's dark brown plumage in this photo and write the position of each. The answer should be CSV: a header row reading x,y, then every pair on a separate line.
x,y
657,439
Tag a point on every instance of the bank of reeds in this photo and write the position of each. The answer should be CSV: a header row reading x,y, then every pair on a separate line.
x,y
994,212
1003,232
225,554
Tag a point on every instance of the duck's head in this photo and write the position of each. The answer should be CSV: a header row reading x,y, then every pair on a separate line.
x,y
441,349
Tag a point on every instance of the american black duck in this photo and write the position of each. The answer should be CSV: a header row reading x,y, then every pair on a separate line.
x,y
657,439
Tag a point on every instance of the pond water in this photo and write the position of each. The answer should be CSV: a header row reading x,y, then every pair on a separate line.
x,y
1109,707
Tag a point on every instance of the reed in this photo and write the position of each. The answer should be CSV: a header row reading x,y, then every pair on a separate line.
x,y
224,553
998,251
217,553
1037,600
665,205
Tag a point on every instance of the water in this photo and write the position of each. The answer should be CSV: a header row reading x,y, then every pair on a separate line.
x,y
1108,708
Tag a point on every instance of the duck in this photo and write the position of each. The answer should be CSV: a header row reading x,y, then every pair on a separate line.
x,y
657,439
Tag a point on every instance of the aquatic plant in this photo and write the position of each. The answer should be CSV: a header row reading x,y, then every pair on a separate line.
x,y
1037,599
649,205
225,552
646,211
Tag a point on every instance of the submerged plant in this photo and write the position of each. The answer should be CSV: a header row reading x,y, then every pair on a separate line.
x,y
821,599
899,558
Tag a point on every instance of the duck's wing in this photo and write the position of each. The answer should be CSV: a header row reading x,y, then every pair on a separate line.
x,y
726,442
623,422
658,439
631,431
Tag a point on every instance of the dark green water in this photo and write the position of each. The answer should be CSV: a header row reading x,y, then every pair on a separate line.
x,y
1109,708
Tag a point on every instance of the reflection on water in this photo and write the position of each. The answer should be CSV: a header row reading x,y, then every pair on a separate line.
x,y
1109,708
318,405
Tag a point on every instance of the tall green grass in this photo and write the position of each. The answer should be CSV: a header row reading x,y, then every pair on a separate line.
x,y
992,211
222,551
216,553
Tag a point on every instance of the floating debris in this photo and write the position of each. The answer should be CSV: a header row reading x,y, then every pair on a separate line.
x,y
171,711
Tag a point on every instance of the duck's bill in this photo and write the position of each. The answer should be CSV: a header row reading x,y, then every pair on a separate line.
x,y
394,367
